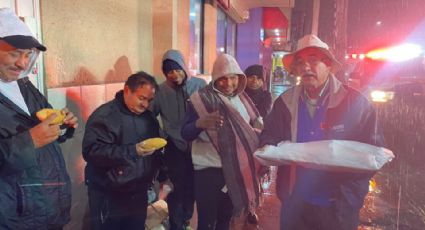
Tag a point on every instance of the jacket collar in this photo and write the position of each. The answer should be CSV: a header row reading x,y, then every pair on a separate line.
x,y
7,102
119,98
337,93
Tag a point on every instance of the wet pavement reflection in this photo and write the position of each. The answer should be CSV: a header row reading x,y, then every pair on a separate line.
x,y
269,210
398,199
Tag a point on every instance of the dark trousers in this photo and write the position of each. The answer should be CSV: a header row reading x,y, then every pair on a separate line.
x,y
213,205
117,211
181,200
297,214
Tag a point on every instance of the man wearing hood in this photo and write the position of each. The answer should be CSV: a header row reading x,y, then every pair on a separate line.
x,y
170,103
35,186
220,123
255,89
320,108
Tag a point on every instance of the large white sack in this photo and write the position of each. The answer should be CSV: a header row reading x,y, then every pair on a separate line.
x,y
328,155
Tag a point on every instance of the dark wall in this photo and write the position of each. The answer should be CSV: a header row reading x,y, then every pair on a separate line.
x,y
400,20
301,21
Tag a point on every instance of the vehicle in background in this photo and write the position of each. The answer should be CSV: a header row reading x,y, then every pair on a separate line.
x,y
393,78
388,72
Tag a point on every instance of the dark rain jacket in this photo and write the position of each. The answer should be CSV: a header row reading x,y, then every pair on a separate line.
x,y
109,147
262,100
349,116
35,189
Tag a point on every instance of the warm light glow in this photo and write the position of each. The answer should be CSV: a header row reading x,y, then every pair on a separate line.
x,y
381,96
298,80
355,56
372,185
397,53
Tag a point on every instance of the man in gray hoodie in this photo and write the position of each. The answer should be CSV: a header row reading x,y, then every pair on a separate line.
x,y
170,103
221,122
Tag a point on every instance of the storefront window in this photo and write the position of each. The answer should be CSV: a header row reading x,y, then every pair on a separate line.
x,y
231,37
196,30
221,32
226,34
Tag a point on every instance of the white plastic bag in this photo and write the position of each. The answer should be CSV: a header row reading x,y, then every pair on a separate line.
x,y
327,155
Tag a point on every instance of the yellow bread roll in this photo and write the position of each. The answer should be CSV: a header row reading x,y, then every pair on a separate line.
x,y
154,143
45,113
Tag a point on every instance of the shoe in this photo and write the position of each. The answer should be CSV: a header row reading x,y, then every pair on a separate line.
x,y
252,218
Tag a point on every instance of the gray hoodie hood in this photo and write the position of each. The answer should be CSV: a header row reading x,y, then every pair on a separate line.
x,y
224,65
170,102
176,56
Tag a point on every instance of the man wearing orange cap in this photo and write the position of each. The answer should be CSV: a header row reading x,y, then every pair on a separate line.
x,y
320,108
35,187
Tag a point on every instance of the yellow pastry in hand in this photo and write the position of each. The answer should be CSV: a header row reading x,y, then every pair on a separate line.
x,y
45,113
154,143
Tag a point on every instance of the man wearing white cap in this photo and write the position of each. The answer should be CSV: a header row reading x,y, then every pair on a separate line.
x,y
320,108
35,186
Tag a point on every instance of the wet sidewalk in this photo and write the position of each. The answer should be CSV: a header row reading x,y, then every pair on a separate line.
x,y
269,210
268,213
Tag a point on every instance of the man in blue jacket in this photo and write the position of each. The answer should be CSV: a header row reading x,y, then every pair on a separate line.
x,y
170,103
320,108
35,189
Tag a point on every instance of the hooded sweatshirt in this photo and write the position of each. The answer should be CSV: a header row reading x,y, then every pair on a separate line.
x,y
170,101
203,152
230,147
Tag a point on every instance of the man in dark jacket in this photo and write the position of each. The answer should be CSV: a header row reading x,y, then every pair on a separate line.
x,y
255,89
170,103
321,108
119,171
35,187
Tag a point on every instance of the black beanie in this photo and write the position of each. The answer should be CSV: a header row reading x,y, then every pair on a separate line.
x,y
255,70
168,65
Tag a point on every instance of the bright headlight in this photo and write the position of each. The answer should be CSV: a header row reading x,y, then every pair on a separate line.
x,y
381,96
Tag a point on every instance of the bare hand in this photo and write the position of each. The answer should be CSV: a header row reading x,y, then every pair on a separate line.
x,y
45,133
142,151
70,119
211,121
